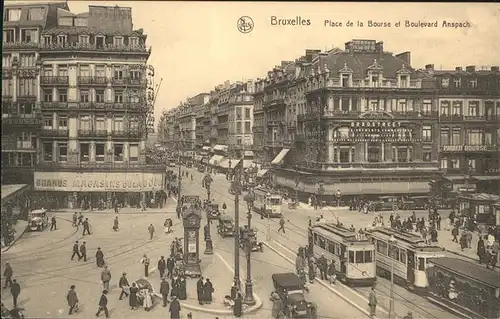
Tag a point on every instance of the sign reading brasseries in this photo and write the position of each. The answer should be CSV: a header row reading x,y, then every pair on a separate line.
x,y
98,182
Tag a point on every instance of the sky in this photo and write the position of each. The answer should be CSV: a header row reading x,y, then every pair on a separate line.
x,y
196,45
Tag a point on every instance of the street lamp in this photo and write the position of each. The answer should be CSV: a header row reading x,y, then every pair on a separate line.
x,y
249,198
268,235
297,181
179,204
209,250
236,189
392,244
321,191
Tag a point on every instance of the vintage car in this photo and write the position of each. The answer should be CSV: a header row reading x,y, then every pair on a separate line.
x,y
250,235
226,226
420,202
394,203
213,211
38,219
291,288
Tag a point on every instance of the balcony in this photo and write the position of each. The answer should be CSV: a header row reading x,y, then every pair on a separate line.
x,y
89,80
279,101
101,165
53,132
451,118
126,134
470,148
54,80
272,144
474,118
371,166
84,133
54,106
20,45
275,123
16,146
334,114
224,125
71,47
413,114
22,120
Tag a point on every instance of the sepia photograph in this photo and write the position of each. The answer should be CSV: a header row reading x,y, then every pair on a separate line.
x,y
227,159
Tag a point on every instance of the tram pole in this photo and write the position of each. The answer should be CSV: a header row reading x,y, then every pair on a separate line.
x,y
392,243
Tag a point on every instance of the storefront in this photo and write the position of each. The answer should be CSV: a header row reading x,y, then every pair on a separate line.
x,y
99,189
481,206
16,200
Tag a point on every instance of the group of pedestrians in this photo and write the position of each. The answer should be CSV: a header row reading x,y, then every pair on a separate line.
x,y
15,288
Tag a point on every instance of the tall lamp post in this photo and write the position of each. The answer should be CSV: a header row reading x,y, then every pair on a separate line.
x,y
179,204
236,188
249,198
392,243
209,249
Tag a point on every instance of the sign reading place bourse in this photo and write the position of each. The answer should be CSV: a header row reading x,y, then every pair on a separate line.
x,y
466,148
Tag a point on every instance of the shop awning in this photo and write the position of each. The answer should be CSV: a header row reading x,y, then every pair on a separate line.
x,y
224,163
262,172
206,148
10,191
280,156
487,178
453,178
215,160
220,148
381,188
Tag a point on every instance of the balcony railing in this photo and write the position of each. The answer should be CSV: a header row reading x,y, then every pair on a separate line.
x,y
223,125
275,123
26,120
20,45
8,145
415,165
274,143
109,165
54,80
335,83
126,133
94,47
53,132
54,105
100,80
274,102
92,133
449,117
335,114
470,148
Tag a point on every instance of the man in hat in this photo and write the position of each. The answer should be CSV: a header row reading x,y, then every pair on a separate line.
x,y
164,290
72,299
15,290
8,273
83,252
162,265
123,284
103,304
75,251
105,278
86,227
372,302
175,309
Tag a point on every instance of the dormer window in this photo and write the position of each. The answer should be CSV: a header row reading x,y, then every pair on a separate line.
x,y
47,39
61,40
84,39
118,40
345,80
12,15
403,81
375,79
133,41
445,83
29,35
99,41
457,82
473,83
35,14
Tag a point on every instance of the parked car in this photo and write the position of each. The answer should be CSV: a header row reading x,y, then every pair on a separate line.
x,y
38,219
226,226
291,288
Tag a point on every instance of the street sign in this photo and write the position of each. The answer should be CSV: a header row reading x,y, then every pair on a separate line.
x,y
191,199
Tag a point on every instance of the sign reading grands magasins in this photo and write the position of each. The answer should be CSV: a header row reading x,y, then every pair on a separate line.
x,y
98,182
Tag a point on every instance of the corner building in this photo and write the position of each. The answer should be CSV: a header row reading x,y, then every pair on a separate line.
x,y
97,103
368,127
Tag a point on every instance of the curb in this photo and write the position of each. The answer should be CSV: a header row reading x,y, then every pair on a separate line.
x,y
15,240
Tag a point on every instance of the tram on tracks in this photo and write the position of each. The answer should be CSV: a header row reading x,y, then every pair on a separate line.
x,y
464,287
355,255
405,255
267,203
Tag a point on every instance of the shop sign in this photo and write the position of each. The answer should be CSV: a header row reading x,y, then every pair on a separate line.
x,y
98,182
466,148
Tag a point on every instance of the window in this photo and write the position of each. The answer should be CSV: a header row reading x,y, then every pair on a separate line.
x,y
84,96
401,105
62,122
375,80
47,152
47,39
360,257
61,40
457,108
456,136
133,153
403,81
247,113
475,137
239,141
473,108
488,138
63,70
472,164
29,35
118,152
99,152
62,152
345,80
368,258
84,70
374,105
344,155
35,14
26,109
427,134
445,108
351,257
238,127
248,128
135,75
457,82
47,96
27,87
133,41
100,123
6,87
134,96
47,70
84,152
84,39
85,123
99,42
118,40
455,163
63,95
445,136
427,106
445,83
118,124
427,155
374,153
444,163
48,122
402,154
100,71
12,15
133,124
9,36
99,96
238,113
118,96
381,247
27,60
473,83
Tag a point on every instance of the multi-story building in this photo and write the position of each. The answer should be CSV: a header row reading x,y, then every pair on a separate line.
x,y
469,127
368,126
21,115
97,103
240,119
187,126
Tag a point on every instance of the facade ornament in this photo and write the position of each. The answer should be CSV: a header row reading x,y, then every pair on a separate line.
x,y
346,69
403,70
375,66
325,68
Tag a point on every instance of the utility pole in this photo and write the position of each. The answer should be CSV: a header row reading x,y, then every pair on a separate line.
x,y
179,205
237,189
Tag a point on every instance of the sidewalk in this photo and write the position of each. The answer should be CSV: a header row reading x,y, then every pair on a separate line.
x,y
20,228
215,269
167,208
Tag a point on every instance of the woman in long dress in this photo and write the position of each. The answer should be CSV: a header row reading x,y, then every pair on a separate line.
x,y
132,298
182,289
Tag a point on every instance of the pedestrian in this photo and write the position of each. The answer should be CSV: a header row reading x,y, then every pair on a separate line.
x,y
53,223
323,267
175,286
103,304
164,290
208,289
123,284
175,309
454,233
75,218
147,302
277,305
115,224
132,298
72,299
170,266
162,266
468,235
8,273
145,262
481,250
83,252
332,273
99,257
372,302
238,304
199,290
80,219
312,271
282,225
182,288
15,290
86,227
105,278
234,289
463,241
438,220
76,251
151,230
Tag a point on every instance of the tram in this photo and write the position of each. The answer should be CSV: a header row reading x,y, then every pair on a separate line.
x,y
464,288
405,254
267,203
354,255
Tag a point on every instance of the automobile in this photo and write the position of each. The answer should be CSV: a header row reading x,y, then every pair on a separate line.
x,y
38,219
394,203
420,202
250,235
213,211
291,289
226,226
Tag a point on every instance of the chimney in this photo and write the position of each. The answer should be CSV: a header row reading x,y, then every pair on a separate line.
x,y
470,68
311,54
494,69
458,68
429,67
405,56
379,46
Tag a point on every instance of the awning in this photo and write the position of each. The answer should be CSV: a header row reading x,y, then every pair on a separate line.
x,y
280,156
206,148
373,188
215,160
487,178
9,191
453,178
262,172
224,163
220,148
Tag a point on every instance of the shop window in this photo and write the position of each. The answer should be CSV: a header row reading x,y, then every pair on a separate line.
x,y
99,152
62,152
444,163
47,152
84,152
134,153
118,152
